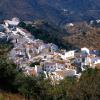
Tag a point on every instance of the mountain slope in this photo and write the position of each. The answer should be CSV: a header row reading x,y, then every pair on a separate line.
x,y
56,11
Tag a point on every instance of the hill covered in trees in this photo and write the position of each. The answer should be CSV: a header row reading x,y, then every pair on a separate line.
x,y
58,12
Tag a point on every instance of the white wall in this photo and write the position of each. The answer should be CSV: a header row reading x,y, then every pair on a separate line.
x,y
70,54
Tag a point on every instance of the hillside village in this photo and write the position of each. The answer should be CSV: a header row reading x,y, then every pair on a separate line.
x,y
34,57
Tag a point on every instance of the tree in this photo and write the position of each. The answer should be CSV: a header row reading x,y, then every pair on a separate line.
x,y
5,48
7,74
22,24
27,86
88,87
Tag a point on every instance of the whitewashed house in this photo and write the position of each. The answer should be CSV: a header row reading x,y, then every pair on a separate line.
x,y
60,66
38,69
43,47
19,30
69,54
53,47
12,23
85,50
49,66
70,25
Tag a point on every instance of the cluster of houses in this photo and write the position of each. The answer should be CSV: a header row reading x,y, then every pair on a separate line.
x,y
34,57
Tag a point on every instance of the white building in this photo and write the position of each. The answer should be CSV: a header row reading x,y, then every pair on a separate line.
x,y
38,69
53,47
70,24
42,47
49,66
85,50
21,31
14,22
70,54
